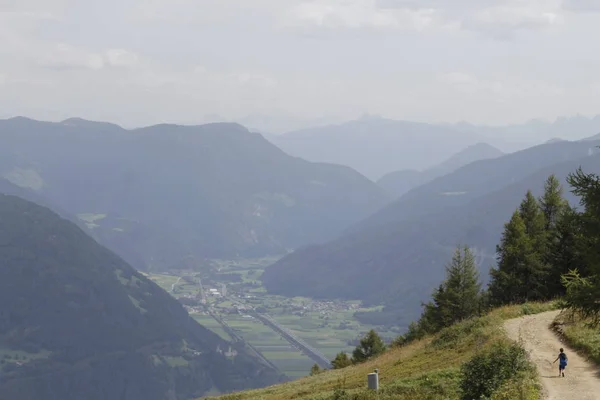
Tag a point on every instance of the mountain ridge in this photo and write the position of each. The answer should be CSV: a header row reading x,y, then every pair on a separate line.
x,y
396,145
170,192
400,182
74,313
397,260
475,179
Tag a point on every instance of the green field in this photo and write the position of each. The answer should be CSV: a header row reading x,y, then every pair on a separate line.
x,y
164,281
324,333
210,323
328,327
273,347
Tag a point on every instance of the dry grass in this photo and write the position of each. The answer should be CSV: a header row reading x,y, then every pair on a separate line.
x,y
427,369
579,334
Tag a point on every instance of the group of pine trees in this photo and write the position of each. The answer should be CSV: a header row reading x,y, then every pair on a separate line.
x,y
371,345
457,298
534,253
548,250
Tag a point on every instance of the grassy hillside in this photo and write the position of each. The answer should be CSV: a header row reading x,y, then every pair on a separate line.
x,y
579,334
427,369
78,322
169,196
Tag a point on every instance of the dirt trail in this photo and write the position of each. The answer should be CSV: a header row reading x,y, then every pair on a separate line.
x,y
582,379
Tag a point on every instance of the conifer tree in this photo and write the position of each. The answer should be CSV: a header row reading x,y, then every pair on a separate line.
x,y
432,318
315,369
371,345
460,299
341,360
552,203
523,269
538,268
533,218
566,251
583,284
558,253
457,297
508,281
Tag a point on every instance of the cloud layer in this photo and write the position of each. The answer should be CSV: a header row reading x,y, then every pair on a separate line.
x,y
139,62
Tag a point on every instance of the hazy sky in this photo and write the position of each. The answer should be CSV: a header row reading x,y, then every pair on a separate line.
x,y
143,61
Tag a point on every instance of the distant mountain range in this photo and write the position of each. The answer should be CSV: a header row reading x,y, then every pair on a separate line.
x,y
397,255
400,182
77,322
376,146
170,196
519,136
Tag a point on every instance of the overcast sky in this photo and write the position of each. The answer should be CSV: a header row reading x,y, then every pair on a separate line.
x,y
138,62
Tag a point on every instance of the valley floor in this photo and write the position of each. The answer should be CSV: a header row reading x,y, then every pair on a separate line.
x,y
582,379
228,298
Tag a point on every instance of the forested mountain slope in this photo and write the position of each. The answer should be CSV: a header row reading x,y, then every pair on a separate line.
x,y
77,322
169,196
475,180
400,262
400,182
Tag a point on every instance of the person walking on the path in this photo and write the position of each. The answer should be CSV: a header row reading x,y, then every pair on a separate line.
x,y
563,362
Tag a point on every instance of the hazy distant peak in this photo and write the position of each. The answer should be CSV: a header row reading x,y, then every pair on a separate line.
x,y
464,124
482,145
474,152
595,137
370,117
555,140
229,125
21,119
84,123
400,182
213,127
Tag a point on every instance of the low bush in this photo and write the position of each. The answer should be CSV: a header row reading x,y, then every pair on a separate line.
x,y
488,371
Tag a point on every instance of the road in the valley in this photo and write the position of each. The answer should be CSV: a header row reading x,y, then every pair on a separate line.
x,y
294,340
175,284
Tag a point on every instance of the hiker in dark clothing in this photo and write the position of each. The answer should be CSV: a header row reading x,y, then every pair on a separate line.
x,y
563,362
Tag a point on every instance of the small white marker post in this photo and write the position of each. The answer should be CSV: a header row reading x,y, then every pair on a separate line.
x,y
373,380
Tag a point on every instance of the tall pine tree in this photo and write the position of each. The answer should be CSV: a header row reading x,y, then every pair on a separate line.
x,y
370,346
557,216
552,202
583,285
523,271
458,297
567,249
507,284
533,218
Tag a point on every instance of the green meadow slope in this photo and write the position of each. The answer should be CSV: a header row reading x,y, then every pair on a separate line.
x,y
426,369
